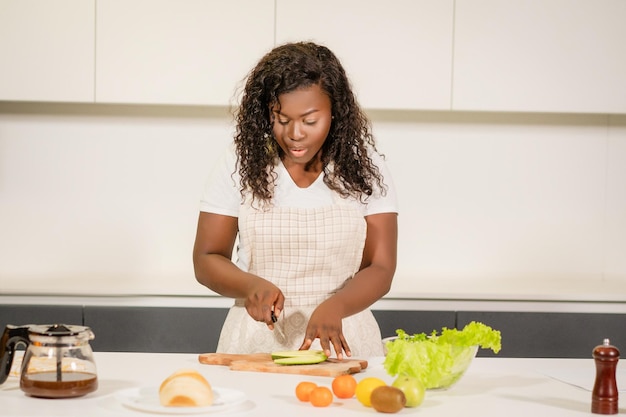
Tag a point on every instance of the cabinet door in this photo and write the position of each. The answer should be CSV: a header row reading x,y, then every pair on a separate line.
x,y
398,53
543,56
47,50
178,52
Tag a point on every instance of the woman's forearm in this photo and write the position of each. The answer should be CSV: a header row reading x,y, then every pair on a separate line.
x,y
221,275
364,289
215,240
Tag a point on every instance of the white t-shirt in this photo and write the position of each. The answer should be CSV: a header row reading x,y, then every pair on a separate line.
x,y
222,196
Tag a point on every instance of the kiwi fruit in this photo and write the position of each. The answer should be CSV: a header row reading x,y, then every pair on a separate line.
x,y
388,399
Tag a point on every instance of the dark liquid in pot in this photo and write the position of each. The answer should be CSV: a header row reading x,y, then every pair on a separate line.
x,y
45,384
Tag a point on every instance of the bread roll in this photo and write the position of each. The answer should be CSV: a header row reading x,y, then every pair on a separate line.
x,y
185,388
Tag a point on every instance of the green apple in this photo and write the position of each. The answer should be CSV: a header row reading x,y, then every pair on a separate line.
x,y
413,389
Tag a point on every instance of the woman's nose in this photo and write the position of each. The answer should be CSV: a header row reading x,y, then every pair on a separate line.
x,y
295,131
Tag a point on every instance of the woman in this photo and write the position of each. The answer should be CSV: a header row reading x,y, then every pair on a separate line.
x,y
314,208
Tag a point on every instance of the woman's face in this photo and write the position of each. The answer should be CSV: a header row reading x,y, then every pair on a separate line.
x,y
301,123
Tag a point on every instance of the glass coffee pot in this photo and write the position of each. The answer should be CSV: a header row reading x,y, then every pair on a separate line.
x,y
58,361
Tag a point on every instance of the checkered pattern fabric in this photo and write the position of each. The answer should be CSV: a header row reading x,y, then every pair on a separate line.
x,y
309,253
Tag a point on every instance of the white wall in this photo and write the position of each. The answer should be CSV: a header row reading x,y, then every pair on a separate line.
x,y
98,199
102,199
509,206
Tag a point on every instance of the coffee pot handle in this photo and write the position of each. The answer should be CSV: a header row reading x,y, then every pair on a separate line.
x,y
12,336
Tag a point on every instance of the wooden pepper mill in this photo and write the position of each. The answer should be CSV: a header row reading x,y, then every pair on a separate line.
x,y
605,395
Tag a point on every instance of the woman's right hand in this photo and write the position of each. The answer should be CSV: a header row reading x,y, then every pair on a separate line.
x,y
262,299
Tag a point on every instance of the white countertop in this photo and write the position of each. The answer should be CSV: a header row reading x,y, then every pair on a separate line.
x,y
491,387
445,303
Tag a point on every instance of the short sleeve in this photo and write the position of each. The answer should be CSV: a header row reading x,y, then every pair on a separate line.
x,y
221,192
380,202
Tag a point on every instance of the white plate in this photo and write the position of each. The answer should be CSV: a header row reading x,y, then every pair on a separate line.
x,y
147,399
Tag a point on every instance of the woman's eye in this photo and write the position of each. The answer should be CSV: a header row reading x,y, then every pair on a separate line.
x,y
310,122
283,121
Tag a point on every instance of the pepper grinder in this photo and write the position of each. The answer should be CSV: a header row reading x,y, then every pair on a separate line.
x,y
604,396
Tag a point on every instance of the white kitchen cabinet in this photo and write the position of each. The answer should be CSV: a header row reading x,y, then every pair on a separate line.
x,y
47,50
543,56
189,52
397,53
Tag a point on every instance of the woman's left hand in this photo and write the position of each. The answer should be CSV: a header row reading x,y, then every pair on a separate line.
x,y
325,325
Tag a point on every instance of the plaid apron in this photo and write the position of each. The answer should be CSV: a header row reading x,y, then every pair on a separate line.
x,y
309,253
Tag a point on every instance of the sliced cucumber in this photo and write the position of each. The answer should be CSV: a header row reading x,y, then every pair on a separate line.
x,y
298,357
297,353
301,360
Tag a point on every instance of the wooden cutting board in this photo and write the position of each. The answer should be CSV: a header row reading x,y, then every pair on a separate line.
x,y
262,362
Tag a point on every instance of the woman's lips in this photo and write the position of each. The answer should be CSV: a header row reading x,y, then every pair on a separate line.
x,y
297,152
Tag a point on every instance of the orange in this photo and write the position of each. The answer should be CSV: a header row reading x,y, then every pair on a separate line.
x,y
303,390
365,387
344,386
321,397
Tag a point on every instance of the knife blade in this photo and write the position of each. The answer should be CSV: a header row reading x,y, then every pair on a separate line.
x,y
277,327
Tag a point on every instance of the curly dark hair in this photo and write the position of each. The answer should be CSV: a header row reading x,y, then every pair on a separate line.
x,y
287,68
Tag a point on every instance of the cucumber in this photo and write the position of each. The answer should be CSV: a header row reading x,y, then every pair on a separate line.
x,y
301,360
298,357
297,353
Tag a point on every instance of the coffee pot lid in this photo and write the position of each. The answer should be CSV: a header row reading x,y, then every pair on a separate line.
x,y
58,330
